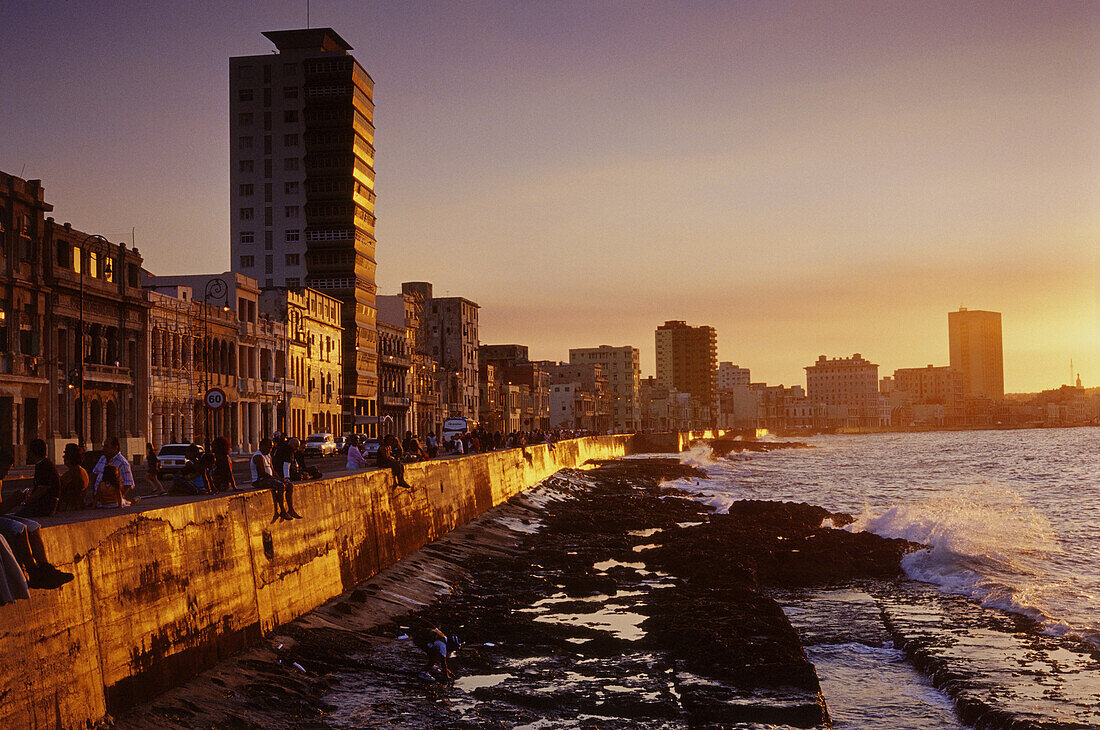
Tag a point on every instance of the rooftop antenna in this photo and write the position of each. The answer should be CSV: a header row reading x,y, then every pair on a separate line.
x,y
307,13
22,170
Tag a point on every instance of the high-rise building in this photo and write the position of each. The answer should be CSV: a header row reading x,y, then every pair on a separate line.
x,y
302,189
622,366
453,343
975,340
687,361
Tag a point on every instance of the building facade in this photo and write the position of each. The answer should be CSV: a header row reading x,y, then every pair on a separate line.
x,y
687,361
976,351
453,343
622,366
848,384
302,189
731,376
912,390
310,362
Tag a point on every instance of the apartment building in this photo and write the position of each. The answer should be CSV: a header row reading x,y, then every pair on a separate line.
x,y
622,366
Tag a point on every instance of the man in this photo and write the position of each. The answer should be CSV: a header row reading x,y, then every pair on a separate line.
x,y
263,477
112,454
25,541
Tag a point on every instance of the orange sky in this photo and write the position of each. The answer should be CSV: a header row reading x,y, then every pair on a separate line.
x,y
810,178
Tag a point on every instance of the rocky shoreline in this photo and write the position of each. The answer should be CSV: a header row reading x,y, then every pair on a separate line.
x,y
632,606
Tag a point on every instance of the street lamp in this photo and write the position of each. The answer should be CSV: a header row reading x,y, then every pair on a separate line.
x,y
293,322
215,288
106,246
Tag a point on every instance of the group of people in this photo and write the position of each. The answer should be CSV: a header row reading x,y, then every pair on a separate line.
x,y
390,455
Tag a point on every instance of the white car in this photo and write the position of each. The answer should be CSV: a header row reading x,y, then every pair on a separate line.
x,y
320,444
172,457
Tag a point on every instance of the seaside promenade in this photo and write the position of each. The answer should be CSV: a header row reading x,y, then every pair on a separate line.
x,y
173,585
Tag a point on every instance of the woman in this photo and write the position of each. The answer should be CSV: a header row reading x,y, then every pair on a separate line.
x,y
109,492
152,465
355,457
223,467
74,482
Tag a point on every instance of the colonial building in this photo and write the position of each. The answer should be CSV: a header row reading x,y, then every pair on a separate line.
x,y
590,391
302,188
237,353
311,362
72,330
425,407
452,341
928,396
622,366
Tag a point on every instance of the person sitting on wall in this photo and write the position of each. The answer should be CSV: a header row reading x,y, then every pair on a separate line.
x,y
194,476
302,469
222,473
24,537
109,492
263,477
413,450
389,457
45,491
112,454
356,460
282,458
74,482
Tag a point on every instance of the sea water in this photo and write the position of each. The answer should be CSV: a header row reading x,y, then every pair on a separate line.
x,y
1011,518
1012,524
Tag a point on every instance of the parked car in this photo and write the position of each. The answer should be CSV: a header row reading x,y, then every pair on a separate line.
x,y
320,444
369,448
172,457
341,444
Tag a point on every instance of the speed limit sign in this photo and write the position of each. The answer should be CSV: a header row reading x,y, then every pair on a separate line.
x,y
215,398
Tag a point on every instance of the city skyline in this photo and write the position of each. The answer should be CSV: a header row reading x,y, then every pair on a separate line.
x,y
821,181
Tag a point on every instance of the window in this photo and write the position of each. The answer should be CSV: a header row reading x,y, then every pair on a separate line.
x,y
293,283
290,187
268,283
267,241
290,92
267,73
244,118
292,211
246,189
269,264
248,237
244,143
267,144
246,214
292,259
245,166
290,164
63,254
290,116
267,121
244,95
268,216
290,140
290,69
244,72
267,168
247,262
292,234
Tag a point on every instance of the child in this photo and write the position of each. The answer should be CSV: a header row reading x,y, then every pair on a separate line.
x,y
438,648
109,491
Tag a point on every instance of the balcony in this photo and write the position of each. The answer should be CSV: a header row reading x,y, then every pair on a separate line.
x,y
26,366
395,401
107,374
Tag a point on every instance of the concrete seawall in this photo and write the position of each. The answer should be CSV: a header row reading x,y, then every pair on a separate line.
x,y
163,594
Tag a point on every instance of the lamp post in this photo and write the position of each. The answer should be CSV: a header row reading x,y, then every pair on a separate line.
x,y
218,289
293,322
106,246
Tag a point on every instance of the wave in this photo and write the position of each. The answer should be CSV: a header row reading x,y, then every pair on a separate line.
x,y
700,455
986,543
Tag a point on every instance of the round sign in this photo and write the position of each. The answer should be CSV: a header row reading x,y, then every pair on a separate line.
x,y
215,398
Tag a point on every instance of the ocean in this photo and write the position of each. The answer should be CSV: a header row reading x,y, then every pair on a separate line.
x,y
1012,524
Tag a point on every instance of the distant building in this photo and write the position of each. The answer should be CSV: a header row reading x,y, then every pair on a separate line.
x,y
622,366
731,376
976,352
687,361
502,355
453,342
914,390
425,408
590,390
664,408
301,141
848,384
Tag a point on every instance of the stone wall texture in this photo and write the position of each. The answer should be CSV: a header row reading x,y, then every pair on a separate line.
x,y
163,594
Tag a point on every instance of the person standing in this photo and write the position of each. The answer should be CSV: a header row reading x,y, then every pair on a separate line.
x,y
152,470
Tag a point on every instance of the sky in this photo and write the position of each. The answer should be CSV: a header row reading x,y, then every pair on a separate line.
x,y
808,178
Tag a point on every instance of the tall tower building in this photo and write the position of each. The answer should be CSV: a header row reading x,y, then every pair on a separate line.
x,y
687,360
302,189
976,352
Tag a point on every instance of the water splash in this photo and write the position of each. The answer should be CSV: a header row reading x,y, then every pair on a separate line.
x,y
699,455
